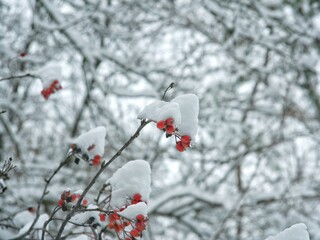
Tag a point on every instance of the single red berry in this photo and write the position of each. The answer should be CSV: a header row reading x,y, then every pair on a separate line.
x,y
161,124
102,217
60,203
46,93
73,197
125,223
140,217
22,54
169,121
84,202
185,138
136,197
170,129
140,226
134,233
118,227
179,146
113,217
96,160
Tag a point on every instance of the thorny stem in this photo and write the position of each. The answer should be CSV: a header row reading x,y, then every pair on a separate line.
x,y
93,180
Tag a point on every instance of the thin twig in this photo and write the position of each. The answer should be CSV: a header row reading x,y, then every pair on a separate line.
x,y
168,88
18,77
44,193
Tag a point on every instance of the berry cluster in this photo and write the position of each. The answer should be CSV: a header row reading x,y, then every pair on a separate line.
x,y
79,154
67,199
182,142
119,224
167,126
53,87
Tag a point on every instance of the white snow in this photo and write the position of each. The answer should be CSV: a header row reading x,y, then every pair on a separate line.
x,y
48,73
295,232
184,109
133,210
83,217
134,177
39,224
189,108
160,110
95,136
22,218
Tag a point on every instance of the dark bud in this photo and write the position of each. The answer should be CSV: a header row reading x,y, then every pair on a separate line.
x,y
77,160
69,199
77,150
95,225
168,135
85,157
64,207
90,220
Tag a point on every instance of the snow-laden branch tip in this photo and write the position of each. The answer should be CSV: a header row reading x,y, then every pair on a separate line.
x,y
295,232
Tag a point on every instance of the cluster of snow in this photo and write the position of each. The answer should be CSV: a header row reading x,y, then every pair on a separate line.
x,y
160,110
132,178
295,232
38,225
133,210
183,109
95,139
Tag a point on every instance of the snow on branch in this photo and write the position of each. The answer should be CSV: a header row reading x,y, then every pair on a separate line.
x,y
295,232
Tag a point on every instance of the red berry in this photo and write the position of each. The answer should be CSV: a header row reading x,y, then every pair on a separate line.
x,y
73,197
140,226
185,138
84,202
161,124
128,239
140,217
169,121
136,197
22,54
96,160
170,129
134,233
180,147
102,217
60,203
113,217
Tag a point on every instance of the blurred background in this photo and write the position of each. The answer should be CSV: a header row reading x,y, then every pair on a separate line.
x,y
254,65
